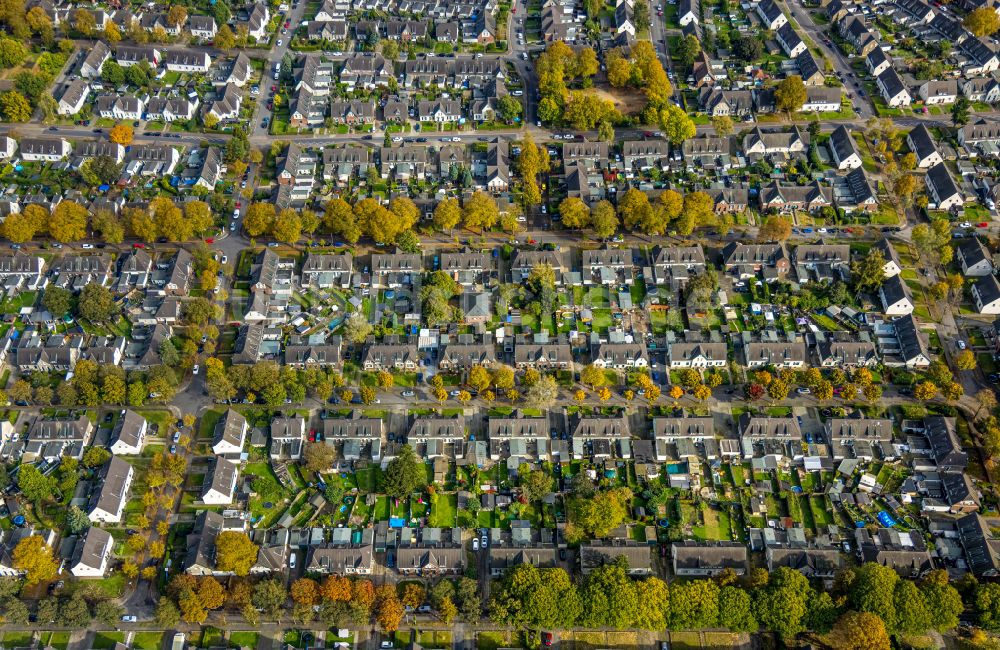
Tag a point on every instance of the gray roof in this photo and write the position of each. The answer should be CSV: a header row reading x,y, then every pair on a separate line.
x,y
111,495
90,547
230,428
127,429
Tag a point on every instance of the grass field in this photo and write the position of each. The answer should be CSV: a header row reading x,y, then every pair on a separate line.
x,y
147,640
444,509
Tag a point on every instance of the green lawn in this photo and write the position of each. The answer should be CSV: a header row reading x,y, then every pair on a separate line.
x,y
20,640
208,422
102,641
444,509
147,640
243,639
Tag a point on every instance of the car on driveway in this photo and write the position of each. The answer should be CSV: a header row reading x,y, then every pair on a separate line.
x,y
803,391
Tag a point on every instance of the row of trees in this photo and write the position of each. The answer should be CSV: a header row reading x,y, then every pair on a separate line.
x,y
87,603
783,601
270,381
336,601
70,221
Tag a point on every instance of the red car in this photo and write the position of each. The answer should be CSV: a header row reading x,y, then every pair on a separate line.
x,y
239,204
547,639
274,88
138,245
982,224
210,240
288,24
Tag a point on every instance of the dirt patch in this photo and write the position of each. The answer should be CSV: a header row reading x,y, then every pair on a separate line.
x,y
627,101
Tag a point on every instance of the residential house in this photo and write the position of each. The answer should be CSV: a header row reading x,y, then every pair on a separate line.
x,y
697,354
893,265
107,502
938,91
327,270
704,560
844,149
893,89
608,266
973,257
390,356
187,61
73,97
747,260
771,16
942,189
129,434
638,558
777,354
467,267
986,295
621,356
896,297
543,356
219,486
790,41
674,265
92,553
921,143
229,434
44,149
394,270
94,61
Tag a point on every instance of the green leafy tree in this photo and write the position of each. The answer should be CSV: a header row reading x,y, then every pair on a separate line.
x,y
57,300
873,591
15,107
526,596
603,219
859,631
96,303
981,22
404,474
235,552
35,486
35,558
790,94
676,124
736,610
782,604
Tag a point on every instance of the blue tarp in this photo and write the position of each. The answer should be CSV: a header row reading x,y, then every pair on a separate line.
x,y
104,188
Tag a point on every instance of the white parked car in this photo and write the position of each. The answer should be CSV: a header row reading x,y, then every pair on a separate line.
x,y
196,369
129,619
